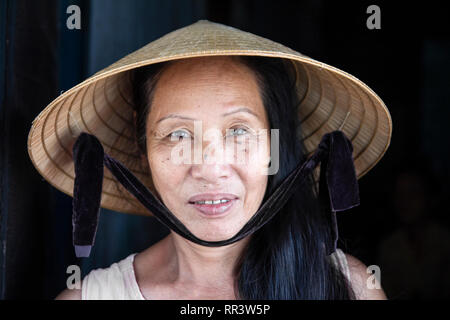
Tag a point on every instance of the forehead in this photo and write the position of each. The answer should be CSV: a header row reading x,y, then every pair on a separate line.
x,y
205,84
221,66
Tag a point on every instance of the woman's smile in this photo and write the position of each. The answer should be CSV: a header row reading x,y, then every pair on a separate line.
x,y
214,210
213,205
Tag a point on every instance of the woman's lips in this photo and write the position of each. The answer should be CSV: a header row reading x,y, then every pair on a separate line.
x,y
214,210
213,196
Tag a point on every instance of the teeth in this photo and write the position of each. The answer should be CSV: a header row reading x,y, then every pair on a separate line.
x,y
212,201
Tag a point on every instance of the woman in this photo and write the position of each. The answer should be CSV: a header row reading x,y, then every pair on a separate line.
x,y
235,100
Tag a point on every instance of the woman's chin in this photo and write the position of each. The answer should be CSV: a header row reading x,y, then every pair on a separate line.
x,y
215,236
219,229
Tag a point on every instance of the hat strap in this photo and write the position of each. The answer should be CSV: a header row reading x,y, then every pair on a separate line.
x,y
88,162
338,185
338,190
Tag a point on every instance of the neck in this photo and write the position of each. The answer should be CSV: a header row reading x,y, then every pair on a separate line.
x,y
203,266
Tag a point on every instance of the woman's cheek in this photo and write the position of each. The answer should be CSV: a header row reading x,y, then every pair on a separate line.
x,y
161,169
159,155
258,158
246,150
256,176
168,180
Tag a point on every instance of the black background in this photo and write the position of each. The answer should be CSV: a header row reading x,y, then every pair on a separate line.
x,y
406,62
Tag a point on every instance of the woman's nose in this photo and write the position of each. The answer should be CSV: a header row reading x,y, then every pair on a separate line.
x,y
213,165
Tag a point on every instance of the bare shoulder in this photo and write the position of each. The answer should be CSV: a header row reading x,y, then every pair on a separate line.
x,y
364,283
69,294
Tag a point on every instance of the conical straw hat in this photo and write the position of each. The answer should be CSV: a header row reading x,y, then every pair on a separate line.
x,y
331,99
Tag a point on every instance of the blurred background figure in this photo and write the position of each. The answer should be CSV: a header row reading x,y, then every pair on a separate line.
x,y
415,258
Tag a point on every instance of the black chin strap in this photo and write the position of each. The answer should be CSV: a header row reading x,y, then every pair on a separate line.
x,y
338,190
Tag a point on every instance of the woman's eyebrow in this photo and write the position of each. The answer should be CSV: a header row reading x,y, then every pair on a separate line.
x,y
174,116
242,109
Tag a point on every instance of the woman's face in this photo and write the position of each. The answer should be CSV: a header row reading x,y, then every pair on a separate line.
x,y
209,106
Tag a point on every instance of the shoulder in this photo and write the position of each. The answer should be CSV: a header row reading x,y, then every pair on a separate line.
x,y
69,294
364,283
113,282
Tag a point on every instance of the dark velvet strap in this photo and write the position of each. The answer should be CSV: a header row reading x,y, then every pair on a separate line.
x,y
334,152
338,187
87,190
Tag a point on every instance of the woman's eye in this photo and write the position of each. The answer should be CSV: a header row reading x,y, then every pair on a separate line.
x,y
179,135
237,131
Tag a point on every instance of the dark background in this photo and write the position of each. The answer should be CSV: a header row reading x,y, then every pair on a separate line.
x,y
403,222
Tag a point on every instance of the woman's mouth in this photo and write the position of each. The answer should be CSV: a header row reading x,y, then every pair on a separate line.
x,y
213,205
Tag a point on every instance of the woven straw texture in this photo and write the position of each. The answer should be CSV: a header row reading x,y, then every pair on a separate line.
x,y
101,105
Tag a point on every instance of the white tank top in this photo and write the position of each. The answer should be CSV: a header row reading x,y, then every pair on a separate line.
x,y
118,282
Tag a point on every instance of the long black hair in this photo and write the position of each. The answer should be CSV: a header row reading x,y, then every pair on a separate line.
x,y
286,258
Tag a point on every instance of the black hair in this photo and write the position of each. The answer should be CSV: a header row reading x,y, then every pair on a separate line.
x,y
286,258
